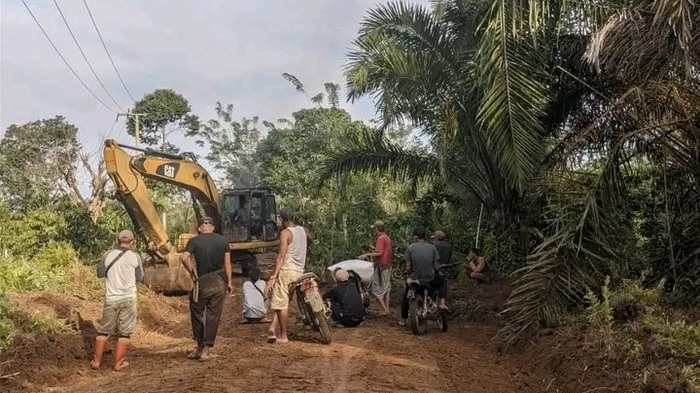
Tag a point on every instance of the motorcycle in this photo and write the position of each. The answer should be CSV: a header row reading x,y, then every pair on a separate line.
x,y
423,307
313,310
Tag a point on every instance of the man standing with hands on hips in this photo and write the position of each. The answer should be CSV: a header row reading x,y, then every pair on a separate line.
x,y
212,278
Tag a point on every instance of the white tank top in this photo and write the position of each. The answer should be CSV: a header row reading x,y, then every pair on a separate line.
x,y
295,259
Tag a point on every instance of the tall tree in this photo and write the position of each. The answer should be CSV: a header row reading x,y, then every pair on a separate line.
x,y
232,146
41,159
165,111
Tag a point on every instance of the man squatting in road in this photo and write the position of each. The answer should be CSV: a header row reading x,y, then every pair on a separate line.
x,y
212,278
122,269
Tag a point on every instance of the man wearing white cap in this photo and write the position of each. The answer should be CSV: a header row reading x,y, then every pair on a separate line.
x,y
122,268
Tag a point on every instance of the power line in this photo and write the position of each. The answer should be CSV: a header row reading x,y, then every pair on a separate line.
x,y
75,39
107,51
64,59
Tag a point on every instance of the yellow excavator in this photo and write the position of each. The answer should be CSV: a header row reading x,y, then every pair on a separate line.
x,y
247,217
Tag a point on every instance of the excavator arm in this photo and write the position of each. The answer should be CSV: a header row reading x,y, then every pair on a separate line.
x,y
133,193
182,171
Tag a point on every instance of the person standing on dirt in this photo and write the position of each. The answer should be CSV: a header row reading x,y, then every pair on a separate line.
x,y
122,269
212,279
382,255
289,266
347,308
423,263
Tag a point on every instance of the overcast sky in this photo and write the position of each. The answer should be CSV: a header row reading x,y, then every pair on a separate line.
x,y
217,50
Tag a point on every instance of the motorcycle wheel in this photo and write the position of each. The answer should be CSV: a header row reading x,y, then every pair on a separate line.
x,y
418,324
323,327
442,321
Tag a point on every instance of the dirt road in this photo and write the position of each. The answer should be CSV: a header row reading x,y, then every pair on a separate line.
x,y
378,356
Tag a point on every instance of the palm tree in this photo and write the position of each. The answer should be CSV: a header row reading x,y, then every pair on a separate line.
x,y
502,91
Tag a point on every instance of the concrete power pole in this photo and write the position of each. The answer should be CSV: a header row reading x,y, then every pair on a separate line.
x,y
137,123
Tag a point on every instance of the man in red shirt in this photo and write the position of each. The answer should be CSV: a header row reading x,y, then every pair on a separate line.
x,y
382,256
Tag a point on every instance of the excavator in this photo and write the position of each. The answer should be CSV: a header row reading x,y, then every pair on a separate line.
x,y
247,217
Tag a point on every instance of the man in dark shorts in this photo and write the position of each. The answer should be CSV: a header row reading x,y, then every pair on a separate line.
x,y
347,307
423,263
212,278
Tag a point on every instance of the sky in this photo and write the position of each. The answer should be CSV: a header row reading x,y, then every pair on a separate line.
x,y
208,51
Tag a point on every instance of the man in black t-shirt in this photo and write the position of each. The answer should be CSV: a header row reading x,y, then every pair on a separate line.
x,y
346,302
212,278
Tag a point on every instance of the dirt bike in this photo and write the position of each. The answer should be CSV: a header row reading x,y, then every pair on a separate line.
x,y
312,309
423,307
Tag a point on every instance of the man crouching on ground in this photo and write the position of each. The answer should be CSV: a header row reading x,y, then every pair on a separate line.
x,y
122,269
289,266
212,279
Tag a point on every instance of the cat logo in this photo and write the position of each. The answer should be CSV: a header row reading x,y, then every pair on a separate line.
x,y
168,170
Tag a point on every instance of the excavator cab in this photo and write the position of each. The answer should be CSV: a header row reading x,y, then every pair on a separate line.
x,y
249,215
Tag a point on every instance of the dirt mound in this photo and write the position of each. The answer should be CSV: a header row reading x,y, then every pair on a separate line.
x,y
63,332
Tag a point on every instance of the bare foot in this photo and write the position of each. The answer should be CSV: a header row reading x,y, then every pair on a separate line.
x,y
195,354
271,336
282,340
124,364
94,364
205,355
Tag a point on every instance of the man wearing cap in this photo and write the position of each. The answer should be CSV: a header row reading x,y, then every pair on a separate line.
x,y
289,266
346,302
213,281
122,269
382,255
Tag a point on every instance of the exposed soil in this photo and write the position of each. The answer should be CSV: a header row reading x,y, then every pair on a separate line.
x,y
378,356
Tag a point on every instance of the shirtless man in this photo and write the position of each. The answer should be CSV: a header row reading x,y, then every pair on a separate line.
x,y
477,264
289,266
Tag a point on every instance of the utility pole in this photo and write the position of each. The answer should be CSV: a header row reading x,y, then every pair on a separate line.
x,y
137,123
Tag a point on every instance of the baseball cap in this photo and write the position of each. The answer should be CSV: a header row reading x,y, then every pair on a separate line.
x,y
125,235
286,214
341,275
205,220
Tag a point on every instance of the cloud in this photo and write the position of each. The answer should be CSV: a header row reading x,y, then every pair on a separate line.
x,y
228,51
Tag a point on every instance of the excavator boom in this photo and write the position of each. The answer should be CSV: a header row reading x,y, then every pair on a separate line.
x,y
164,272
132,192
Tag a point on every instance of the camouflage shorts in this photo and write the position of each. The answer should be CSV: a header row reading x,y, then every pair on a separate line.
x,y
118,318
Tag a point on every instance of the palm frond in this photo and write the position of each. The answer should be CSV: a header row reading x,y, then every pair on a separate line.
x,y
370,151
514,95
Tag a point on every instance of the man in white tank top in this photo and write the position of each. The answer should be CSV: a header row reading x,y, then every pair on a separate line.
x,y
289,266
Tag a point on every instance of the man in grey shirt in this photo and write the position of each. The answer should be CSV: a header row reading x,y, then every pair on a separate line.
x,y
122,268
423,264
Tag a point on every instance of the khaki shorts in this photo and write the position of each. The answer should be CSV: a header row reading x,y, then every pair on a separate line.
x,y
280,293
118,318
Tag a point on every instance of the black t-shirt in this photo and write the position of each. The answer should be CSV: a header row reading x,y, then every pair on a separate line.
x,y
347,299
445,250
209,250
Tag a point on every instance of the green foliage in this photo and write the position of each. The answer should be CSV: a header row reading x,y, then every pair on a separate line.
x,y
7,327
165,111
44,269
232,146
36,160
